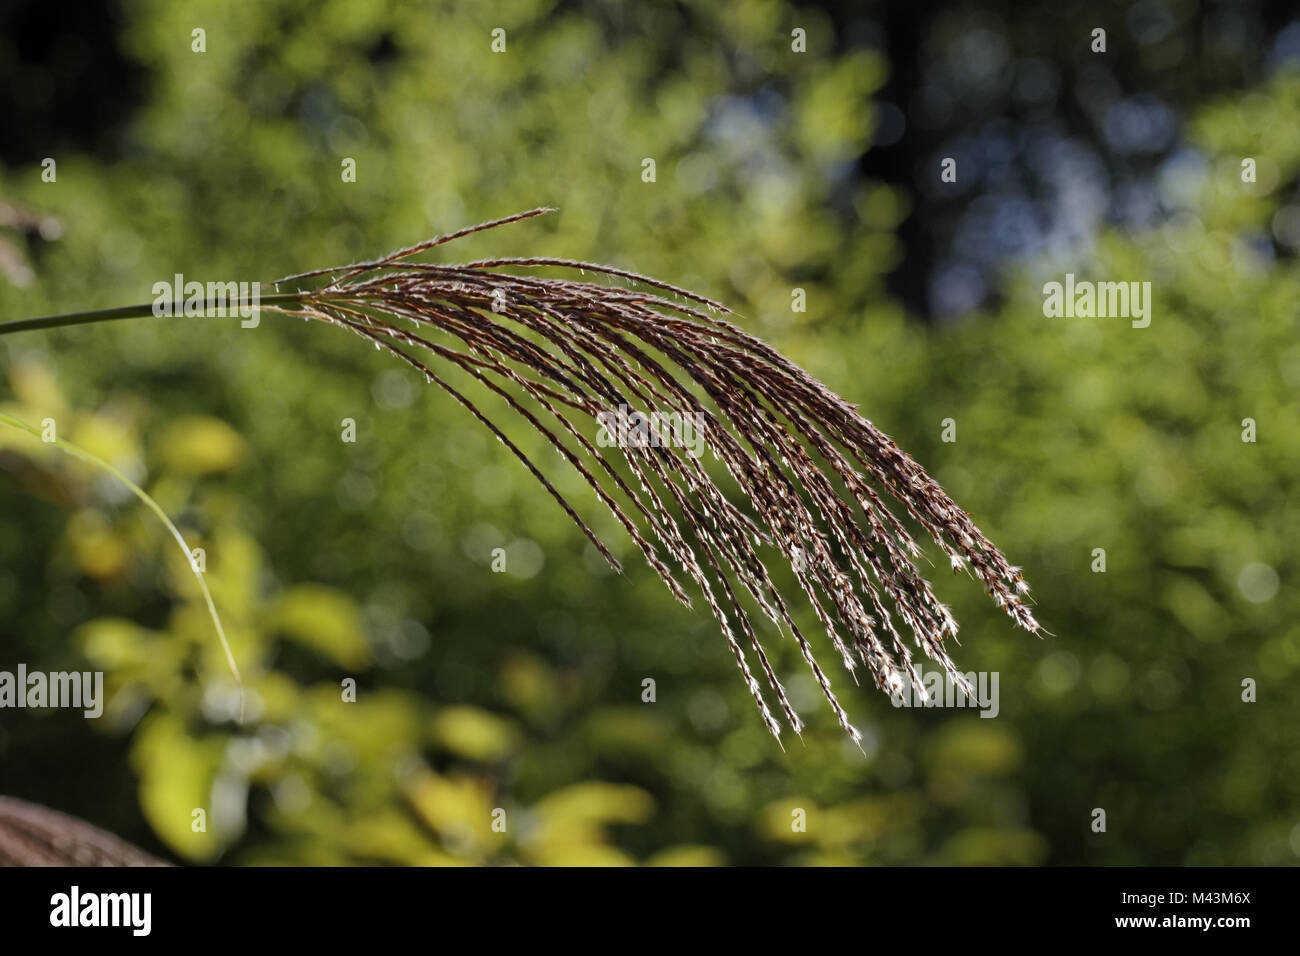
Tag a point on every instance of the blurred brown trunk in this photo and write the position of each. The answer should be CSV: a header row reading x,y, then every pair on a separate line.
x,y
32,835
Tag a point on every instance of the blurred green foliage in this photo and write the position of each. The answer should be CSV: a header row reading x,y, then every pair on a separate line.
x,y
521,692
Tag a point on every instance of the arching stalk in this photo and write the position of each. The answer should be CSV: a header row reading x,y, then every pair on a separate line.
x,y
78,452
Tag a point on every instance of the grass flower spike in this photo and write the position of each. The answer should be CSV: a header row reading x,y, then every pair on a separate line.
x,y
813,479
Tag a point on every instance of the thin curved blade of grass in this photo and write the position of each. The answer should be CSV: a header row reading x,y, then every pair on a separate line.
x,y
78,452
562,353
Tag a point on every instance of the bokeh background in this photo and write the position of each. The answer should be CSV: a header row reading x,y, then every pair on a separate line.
x,y
775,169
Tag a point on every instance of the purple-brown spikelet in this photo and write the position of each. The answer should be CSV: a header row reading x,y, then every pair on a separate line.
x,y
568,355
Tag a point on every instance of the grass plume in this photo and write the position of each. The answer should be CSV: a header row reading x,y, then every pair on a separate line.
x,y
813,472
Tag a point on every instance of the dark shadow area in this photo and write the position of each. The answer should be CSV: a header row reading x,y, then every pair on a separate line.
x,y
64,82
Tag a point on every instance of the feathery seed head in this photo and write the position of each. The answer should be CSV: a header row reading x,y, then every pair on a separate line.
x,y
563,352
